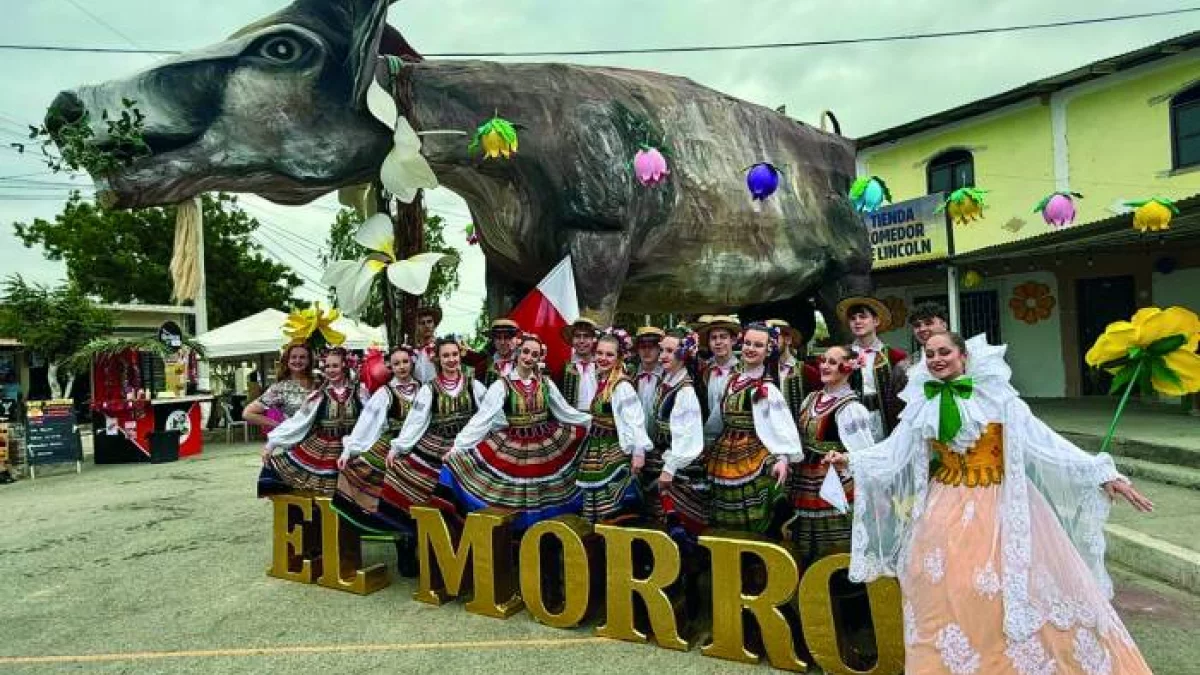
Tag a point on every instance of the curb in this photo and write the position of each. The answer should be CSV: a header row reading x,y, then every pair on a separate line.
x,y
1154,557
1169,474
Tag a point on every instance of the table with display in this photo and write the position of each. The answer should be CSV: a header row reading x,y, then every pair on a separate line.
x,y
123,433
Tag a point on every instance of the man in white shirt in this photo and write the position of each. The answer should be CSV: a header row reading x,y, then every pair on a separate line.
x,y
578,381
866,317
648,373
428,319
718,336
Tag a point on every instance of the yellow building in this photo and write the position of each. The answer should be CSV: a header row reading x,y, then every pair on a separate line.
x,y
1124,128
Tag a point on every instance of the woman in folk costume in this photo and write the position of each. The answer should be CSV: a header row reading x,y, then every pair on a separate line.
x,y
617,443
756,439
999,544
866,317
831,420
301,454
717,335
579,374
439,412
521,449
674,479
363,463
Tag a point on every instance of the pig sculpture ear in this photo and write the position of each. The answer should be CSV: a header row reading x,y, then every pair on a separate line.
x,y
367,19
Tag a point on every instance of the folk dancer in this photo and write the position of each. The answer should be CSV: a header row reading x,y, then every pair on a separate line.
x,y
520,450
866,317
617,443
755,441
999,546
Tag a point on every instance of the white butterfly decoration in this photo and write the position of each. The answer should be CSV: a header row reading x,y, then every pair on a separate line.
x,y
352,279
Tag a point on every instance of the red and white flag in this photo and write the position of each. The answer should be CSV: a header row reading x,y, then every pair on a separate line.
x,y
549,308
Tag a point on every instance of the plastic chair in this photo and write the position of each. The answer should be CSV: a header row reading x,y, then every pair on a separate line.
x,y
230,424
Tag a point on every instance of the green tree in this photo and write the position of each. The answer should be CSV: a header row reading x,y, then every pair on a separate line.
x,y
52,323
340,245
123,256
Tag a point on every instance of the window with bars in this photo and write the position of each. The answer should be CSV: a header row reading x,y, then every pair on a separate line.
x,y
950,171
978,312
1185,128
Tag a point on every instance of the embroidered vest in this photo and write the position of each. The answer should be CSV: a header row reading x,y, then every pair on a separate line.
x,y
526,408
337,418
981,466
664,403
451,413
398,409
737,404
819,430
602,407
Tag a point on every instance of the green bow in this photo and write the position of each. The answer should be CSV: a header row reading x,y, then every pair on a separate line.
x,y
949,419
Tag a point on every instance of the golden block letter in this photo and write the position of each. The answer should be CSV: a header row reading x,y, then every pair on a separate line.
x,y
820,631
570,532
729,600
293,516
341,556
618,622
487,540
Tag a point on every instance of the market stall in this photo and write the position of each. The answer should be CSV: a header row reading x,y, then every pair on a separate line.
x,y
145,406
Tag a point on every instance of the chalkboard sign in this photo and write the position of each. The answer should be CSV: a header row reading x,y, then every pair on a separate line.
x,y
50,435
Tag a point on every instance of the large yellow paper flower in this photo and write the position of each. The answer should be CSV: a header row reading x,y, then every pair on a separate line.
x,y
303,324
1164,342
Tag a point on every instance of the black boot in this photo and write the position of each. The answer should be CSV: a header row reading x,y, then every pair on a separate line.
x,y
406,556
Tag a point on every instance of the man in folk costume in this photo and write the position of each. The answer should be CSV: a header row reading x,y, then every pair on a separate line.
x,y
501,355
717,336
578,381
925,320
428,319
866,317
647,374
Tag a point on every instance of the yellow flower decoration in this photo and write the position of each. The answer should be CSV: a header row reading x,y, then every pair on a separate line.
x,y
1153,215
313,326
1155,351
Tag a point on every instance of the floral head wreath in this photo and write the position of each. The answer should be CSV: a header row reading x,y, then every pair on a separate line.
x,y
405,347
624,341
527,336
689,344
773,334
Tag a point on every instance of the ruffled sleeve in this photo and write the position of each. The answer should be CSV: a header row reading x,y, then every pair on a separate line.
x,y
489,416
775,426
369,425
854,426
561,410
293,430
630,418
687,432
415,423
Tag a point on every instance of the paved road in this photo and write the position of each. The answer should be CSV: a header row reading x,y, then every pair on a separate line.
x,y
137,561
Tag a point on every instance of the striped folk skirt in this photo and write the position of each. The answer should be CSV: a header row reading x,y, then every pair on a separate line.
x,y
610,494
816,528
310,466
359,486
743,490
528,468
412,481
685,501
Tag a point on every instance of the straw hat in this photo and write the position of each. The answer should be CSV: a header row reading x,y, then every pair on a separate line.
x,y
877,306
568,332
725,321
649,334
503,326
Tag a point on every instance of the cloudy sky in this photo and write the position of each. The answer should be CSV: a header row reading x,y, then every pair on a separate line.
x,y
869,87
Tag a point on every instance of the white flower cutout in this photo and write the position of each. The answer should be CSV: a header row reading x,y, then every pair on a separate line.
x,y
404,170
352,279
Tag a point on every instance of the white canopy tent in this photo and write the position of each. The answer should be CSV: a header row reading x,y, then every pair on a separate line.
x,y
262,333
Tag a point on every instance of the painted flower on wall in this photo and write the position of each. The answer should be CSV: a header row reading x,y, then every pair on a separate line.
x,y
898,309
1032,302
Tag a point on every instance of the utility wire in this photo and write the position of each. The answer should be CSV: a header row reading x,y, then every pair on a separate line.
x,y
899,37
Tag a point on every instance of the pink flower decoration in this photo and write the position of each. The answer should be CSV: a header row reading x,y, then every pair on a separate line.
x,y
650,166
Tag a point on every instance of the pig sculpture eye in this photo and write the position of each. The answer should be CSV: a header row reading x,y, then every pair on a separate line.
x,y
281,49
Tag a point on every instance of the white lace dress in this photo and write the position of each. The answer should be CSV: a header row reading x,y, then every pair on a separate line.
x,y
1000,549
